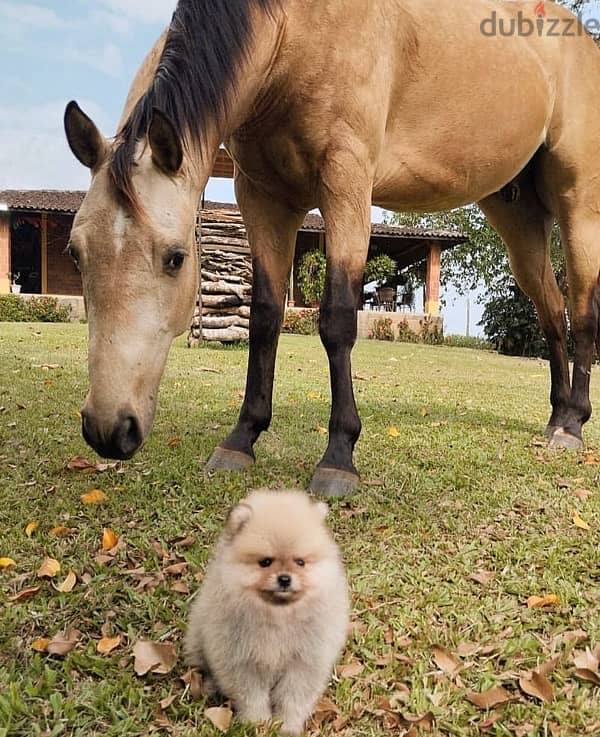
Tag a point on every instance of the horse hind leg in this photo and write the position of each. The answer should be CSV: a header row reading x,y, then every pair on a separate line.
x,y
580,232
525,227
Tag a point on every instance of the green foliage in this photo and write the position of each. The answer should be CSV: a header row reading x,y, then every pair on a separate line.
x,y
14,308
380,269
311,276
301,322
467,341
510,323
382,329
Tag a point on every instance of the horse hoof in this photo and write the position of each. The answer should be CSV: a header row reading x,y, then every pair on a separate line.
x,y
331,482
563,439
223,459
550,430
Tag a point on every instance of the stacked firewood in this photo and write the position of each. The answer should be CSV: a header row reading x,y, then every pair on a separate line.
x,y
223,308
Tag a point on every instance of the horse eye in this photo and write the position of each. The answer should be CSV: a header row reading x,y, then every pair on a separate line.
x,y
174,261
265,562
300,562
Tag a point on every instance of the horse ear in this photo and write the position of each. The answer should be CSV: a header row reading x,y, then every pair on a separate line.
x,y
167,152
85,140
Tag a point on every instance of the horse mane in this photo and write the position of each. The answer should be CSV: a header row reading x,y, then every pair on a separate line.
x,y
205,44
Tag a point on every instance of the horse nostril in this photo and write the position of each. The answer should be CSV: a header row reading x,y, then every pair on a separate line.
x,y
88,430
127,437
284,580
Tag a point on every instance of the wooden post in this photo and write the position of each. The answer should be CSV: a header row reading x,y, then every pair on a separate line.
x,y
432,280
4,252
44,231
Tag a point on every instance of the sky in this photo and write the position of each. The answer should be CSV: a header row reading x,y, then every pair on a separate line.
x,y
53,51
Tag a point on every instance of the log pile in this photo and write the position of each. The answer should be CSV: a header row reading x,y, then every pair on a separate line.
x,y
223,307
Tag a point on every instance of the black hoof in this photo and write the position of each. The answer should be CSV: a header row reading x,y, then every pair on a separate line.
x,y
223,459
331,482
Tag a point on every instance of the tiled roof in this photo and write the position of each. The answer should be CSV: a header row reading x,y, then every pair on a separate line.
x,y
69,201
50,200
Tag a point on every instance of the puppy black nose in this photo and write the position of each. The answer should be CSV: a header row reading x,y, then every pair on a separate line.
x,y
284,580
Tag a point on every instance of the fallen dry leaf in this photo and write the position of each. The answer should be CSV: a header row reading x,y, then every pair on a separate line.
x,y
393,432
153,657
25,594
109,539
94,496
325,711
497,696
40,645
49,568
167,701
445,660
68,584
538,686
547,668
180,587
483,577
173,442
579,522
537,602
351,670
78,463
587,665
176,569
425,722
219,716
31,527
7,562
582,494
62,531
107,644
193,680
64,642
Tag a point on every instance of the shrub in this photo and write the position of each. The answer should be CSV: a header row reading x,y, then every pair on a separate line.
x,y
301,322
468,341
380,269
430,332
405,334
14,308
311,276
382,329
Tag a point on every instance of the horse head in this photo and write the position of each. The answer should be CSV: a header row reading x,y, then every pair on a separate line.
x,y
136,252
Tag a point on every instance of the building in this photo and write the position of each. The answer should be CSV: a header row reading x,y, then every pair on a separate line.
x,y
35,226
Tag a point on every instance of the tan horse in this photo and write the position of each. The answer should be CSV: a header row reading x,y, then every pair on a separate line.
x,y
410,104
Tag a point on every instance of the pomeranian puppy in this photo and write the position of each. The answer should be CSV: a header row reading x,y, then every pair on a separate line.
x,y
272,614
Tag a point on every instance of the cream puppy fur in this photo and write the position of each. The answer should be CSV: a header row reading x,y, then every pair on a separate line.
x,y
272,614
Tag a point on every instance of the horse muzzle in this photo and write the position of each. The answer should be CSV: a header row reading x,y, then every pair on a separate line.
x,y
120,441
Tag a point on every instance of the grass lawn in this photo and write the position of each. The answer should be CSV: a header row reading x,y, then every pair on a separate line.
x,y
462,516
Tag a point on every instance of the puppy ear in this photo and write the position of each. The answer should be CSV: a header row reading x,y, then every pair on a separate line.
x,y
238,517
322,509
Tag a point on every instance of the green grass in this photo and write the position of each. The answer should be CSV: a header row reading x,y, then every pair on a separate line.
x,y
464,487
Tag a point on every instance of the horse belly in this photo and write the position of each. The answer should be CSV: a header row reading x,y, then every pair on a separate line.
x,y
467,117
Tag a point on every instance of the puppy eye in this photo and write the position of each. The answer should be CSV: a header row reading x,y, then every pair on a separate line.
x,y
265,562
173,261
300,562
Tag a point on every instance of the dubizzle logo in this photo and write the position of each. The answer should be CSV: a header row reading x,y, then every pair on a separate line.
x,y
545,22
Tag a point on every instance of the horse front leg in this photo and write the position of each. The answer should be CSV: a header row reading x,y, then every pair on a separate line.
x,y
272,228
347,236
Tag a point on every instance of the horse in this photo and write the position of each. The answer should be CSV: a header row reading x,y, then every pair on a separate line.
x,y
413,105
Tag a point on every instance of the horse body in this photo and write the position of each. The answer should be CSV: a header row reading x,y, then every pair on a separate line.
x,y
335,105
